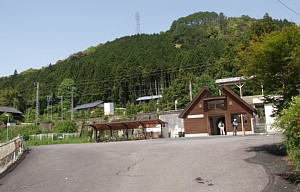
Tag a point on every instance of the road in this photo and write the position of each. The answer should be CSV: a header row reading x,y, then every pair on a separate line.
x,y
216,163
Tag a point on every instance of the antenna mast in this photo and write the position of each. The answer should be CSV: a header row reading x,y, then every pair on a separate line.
x,y
138,24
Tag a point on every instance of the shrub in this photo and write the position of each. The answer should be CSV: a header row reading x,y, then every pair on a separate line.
x,y
288,122
65,127
24,131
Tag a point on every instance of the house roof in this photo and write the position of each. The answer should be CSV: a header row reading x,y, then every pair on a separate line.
x,y
187,109
146,98
127,124
4,109
90,105
226,91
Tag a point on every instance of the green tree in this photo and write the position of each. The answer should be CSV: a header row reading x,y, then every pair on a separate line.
x,y
273,60
66,91
65,127
289,120
5,117
130,110
66,88
205,80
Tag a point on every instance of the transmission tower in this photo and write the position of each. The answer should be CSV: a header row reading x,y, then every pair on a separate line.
x,y
49,107
138,24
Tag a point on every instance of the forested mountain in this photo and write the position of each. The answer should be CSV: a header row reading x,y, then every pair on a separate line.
x,y
204,43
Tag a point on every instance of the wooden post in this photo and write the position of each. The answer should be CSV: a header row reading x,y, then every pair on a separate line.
x,y
242,123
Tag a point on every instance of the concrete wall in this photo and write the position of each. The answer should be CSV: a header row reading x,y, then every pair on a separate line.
x,y
173,125
269,119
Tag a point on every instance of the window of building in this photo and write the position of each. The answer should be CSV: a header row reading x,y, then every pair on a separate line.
x,y
216,104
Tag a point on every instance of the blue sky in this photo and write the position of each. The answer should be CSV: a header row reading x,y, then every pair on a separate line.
x,y
35,33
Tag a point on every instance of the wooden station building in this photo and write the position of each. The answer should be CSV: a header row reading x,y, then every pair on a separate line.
x,y
205,111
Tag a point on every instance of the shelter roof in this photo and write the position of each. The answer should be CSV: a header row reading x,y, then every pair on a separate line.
x,y
9,110
127,124
90,105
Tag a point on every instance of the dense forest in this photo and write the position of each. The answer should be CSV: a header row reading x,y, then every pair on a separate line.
x,y
198,48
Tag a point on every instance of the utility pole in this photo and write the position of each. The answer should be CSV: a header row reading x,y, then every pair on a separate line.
x,y
190,87
62,109
72,104
156,92
37,107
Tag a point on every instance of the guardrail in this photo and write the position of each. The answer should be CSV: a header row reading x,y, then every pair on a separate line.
x,y
10,152
53,136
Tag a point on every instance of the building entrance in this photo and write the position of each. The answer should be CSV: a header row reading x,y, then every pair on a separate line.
x,y
214,121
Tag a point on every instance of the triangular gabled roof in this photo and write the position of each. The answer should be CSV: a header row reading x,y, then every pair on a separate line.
x,y
225,90
199,96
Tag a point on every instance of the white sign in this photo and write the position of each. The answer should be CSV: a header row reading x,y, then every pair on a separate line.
x,y
195,116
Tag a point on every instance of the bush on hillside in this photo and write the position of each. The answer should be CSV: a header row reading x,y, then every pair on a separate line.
x,y
65,127
289,121
19,130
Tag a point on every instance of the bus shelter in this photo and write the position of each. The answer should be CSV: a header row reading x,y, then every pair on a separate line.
x,y
127,126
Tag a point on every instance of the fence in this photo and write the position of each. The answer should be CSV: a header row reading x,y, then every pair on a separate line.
x,y
10,152
53,136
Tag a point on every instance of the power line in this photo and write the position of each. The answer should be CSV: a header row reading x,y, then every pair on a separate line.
x,y
288,7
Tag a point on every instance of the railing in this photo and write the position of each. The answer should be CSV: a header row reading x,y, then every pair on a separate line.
x,y
53,136
10,152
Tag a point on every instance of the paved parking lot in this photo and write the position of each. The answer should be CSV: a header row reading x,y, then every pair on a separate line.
x,y
218,163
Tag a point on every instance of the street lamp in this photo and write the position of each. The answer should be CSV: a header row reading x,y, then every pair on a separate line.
x,y
7,126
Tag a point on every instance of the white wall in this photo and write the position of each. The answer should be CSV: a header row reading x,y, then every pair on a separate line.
x,y
108,109
269,119
173,125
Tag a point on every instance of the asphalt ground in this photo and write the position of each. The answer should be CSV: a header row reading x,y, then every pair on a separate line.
x,y
217,163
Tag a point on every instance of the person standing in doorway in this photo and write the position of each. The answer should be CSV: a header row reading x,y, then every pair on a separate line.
x,y
221,127
234,126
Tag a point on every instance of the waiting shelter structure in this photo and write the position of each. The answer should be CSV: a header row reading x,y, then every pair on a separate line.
x,y
127,125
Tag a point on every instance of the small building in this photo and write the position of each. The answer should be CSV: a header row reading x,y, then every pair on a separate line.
x,y
90,106
14,112
205,111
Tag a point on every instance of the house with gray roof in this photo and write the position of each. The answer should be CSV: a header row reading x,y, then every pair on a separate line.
x,y
90,106
14,112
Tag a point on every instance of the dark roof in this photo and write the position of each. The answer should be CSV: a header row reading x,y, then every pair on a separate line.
x,y
205,89
9,110
128,124
90,105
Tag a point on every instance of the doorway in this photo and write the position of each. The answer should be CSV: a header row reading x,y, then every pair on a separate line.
x,y
214,130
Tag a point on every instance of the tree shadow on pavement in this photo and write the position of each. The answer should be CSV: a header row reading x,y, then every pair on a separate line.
x,y
281,172
277,149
